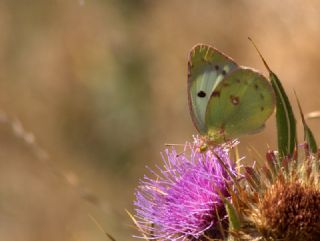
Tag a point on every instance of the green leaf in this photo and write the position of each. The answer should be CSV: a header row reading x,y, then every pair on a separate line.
x,y
234,222
286,123
308,135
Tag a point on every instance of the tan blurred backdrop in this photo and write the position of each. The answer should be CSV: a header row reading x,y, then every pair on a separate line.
x,y
101,86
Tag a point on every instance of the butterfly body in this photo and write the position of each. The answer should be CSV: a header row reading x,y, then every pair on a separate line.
x,y
226,100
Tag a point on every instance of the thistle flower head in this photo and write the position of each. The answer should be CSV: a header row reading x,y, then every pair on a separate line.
x,y
296,215
283,201
184,200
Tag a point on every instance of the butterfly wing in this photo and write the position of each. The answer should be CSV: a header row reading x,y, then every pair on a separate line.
x,y
240,104
207,67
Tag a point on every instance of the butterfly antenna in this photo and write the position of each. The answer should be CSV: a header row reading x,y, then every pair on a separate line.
x,y
263,60
170,144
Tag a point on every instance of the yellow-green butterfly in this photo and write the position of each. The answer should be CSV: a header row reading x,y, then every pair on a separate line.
x,y
226,100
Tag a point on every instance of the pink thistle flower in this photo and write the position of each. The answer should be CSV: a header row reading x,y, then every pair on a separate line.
x,y
183,201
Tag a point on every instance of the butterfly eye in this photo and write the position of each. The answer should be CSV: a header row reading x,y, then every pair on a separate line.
x,y
201,94
224,72
216,67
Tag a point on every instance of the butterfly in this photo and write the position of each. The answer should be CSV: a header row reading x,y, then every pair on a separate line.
x,y
226,100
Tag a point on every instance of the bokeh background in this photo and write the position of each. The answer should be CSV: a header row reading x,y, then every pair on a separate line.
x,y
91,90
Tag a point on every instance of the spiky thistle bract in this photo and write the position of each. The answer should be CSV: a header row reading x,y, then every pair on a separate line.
x,y
280,200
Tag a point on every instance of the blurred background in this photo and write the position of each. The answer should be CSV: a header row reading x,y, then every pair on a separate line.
x,y
91,90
